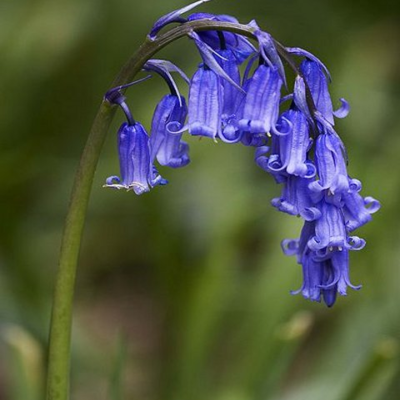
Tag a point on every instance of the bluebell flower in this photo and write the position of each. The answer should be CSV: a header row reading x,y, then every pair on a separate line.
x,y
260,109
166,145
168,119
333,180
206,92
230,65
314,74
323,275
331,233
232,97
137,171
205,103
309,56
317,82
296,199
290,150
357,210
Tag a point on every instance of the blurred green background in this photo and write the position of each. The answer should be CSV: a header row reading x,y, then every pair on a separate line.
x,y
183,293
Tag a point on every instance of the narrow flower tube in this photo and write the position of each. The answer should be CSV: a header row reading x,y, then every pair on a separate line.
x,y
137,172
317,82
230,65
329,283
295,199
357,210
165,144
260,108
313,275
323,277
315,74
340,262
331,167
294,146
205,103
330,230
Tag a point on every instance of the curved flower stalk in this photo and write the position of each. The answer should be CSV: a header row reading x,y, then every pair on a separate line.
x,y
299,147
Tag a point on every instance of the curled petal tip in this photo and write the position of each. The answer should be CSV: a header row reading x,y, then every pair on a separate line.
x,y
344,109
356,243
290,247
372,204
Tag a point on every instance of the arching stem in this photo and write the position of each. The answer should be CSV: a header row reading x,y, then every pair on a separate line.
x,y
61,319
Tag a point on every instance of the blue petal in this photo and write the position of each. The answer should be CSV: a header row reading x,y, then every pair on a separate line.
x,y
241,46
304,53
290,246
230,134
164,69
372,204
331,168
300,97
357,210
295,198
173,16
114,95
343,111
230,65
134,156
312,277
205,103
269,53
299,144
340,262
207,54
317,82
166,145
330,229
260,109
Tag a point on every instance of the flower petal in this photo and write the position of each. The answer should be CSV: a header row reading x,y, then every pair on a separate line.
x,y
207,54
304,53
173,16
343,111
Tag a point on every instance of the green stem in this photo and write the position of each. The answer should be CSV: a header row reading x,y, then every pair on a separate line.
x,y
61,319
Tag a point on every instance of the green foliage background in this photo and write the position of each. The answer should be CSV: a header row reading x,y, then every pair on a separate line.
x,y
183,293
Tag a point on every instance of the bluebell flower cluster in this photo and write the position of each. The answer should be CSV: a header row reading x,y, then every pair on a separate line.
x,y
293,135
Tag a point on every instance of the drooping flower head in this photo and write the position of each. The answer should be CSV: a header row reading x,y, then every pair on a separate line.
x,y
297,145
